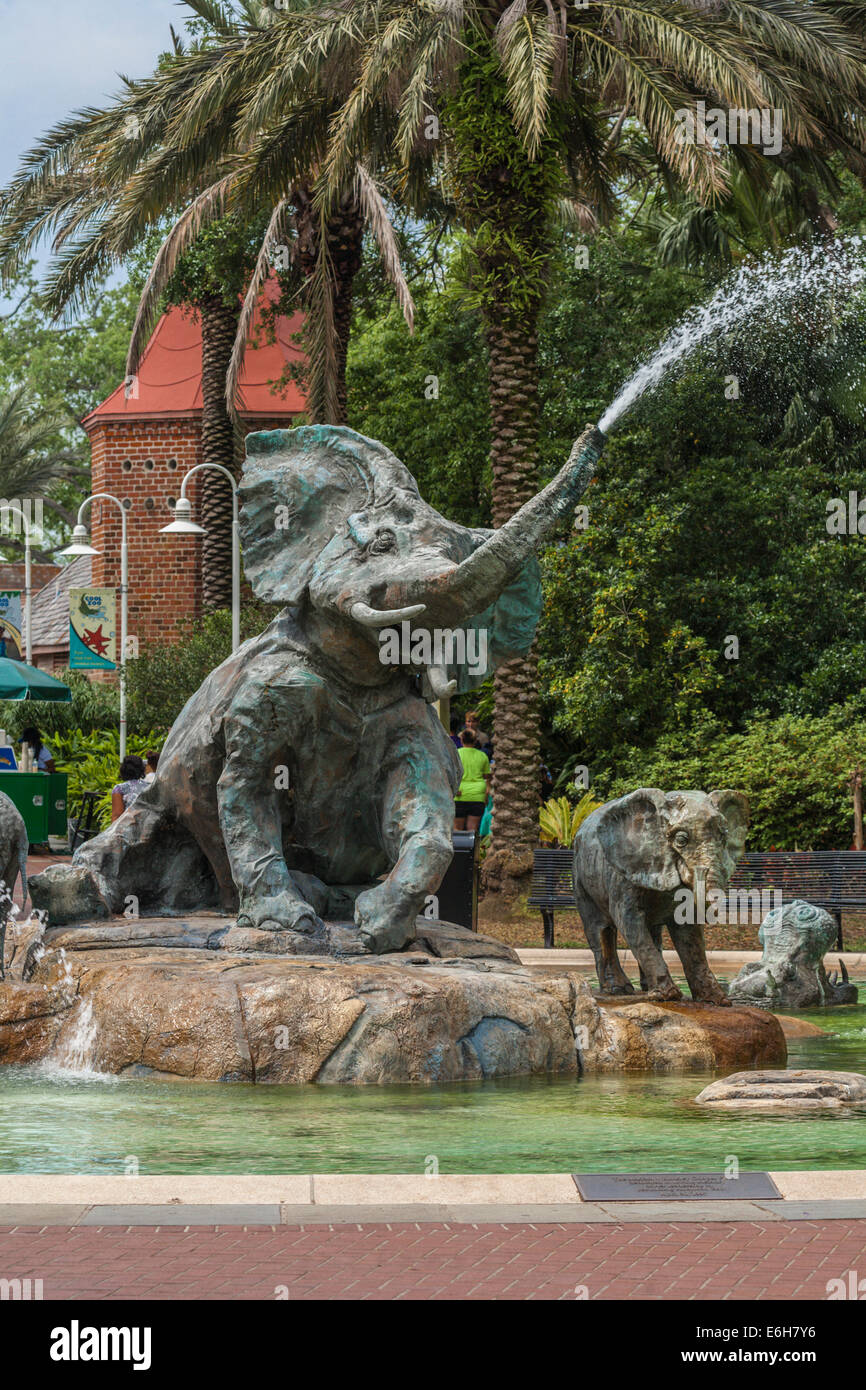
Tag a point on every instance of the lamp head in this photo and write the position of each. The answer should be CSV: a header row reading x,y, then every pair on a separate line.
x,y
183,524
79,544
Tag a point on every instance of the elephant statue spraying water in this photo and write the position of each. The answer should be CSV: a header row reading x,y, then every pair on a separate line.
x,y
632,858
306,767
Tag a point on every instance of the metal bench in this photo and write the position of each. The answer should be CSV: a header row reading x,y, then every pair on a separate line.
x,y
832,879
828,878
552,886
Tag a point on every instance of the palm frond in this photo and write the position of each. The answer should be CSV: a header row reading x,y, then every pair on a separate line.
x,y
207,207
376,216
276,228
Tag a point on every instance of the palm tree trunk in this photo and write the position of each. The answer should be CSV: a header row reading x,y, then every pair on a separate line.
x,y
504,202
513,384
345,241
219,322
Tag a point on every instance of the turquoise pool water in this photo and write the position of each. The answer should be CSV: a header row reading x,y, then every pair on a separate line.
x,y
52,1123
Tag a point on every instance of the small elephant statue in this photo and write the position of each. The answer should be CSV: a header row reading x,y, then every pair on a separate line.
x,y
14,844
790,974
309,776
631,857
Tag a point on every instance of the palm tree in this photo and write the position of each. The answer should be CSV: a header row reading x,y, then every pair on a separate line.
x,y
32,461
104,178
527,93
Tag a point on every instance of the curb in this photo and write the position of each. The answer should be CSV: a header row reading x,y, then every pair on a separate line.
x,y
73,1200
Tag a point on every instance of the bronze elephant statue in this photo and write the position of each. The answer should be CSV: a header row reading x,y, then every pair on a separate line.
x,y
308,777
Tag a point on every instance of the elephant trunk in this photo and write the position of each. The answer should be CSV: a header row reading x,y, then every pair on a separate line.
x,y
477,581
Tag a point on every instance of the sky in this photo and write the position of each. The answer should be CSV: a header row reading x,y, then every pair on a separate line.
x,y
59,55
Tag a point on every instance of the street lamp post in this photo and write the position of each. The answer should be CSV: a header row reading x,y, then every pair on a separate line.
x,y
183,525
80,546
28,588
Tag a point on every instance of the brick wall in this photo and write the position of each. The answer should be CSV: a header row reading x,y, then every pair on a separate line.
x,y
12,576
143,462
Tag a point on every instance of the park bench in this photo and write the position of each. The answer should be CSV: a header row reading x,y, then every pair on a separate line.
x,y
828,878
832,879
552,886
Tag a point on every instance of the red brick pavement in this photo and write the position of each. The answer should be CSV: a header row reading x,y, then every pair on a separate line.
x,y
737,1260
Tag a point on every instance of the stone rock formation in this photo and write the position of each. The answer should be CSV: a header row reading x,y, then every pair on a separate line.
x,y
201,1002
802,1090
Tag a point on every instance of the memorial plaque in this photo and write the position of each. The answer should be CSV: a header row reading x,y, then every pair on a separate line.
x,y
675,1187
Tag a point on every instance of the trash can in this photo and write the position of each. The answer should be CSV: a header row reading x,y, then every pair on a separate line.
x,y
458,893
29,792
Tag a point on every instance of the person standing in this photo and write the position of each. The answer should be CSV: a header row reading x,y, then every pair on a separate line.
x,y
482,740
474,785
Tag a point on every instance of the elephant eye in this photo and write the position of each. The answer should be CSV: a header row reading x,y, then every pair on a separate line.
x,y
681,839
382,543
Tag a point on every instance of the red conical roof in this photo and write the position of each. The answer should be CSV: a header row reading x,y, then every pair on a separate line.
x,y
168,382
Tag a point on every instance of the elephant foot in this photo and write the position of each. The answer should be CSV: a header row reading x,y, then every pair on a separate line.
x,y
665,993
618,987
280,912
384,921
712,993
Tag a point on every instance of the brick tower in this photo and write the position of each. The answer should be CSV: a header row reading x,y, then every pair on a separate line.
x,y
143,439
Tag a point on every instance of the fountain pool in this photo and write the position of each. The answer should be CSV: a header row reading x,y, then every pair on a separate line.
x,y
55,1121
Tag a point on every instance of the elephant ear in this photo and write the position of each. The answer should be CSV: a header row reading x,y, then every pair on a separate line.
x,y
299,488
633,833
506,628
734,806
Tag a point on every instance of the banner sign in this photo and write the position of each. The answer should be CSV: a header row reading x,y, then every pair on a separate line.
x,y
10,624
92,630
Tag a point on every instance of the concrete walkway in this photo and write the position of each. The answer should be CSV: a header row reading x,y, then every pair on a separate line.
x,y
41,1200
721,962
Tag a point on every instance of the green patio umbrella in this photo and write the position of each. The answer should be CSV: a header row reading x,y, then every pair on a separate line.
x,y
18,681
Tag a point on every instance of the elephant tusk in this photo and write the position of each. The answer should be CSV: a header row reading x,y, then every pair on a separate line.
x,y
441,686
384,617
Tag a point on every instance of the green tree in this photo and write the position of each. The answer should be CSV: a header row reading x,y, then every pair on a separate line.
x,y
31,463
529,98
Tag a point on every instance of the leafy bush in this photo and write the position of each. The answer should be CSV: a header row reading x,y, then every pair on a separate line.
x,y
91,761
794,770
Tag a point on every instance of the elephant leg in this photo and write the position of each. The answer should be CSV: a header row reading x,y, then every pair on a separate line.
x,y
654,974
689,944
417,812
600,932
249,813
656,936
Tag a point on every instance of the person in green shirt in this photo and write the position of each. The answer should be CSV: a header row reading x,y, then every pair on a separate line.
x,y
474,786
